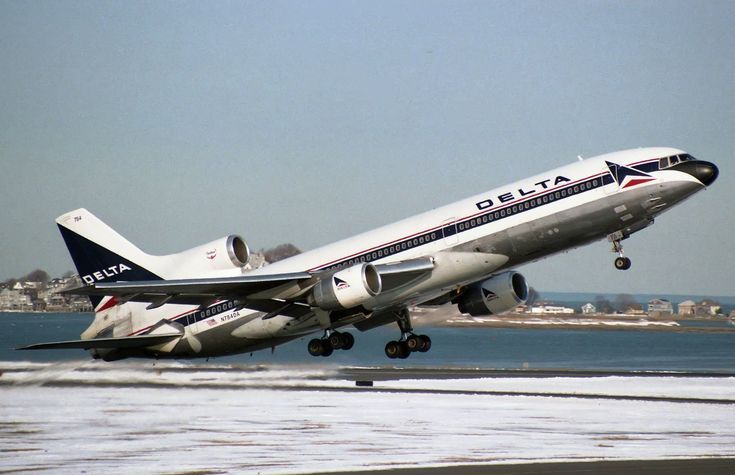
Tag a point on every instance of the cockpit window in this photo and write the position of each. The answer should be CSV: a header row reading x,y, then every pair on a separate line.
x,y
667,162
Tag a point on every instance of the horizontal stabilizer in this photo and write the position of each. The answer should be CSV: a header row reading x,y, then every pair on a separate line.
x,y
190,291
141,341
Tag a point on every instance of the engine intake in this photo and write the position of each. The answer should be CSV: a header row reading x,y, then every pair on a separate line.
x,y
494,296
347,288
226,253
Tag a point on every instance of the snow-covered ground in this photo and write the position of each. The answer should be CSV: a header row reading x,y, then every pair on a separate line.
x,y
171,417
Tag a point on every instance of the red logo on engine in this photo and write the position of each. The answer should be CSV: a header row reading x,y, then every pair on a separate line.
x,y
211,254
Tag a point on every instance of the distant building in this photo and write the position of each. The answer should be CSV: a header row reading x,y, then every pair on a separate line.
x,y
550,309
14,300
705,308
687,307
588,309
658,308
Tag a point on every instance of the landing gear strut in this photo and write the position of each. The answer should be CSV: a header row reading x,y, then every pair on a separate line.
x,y
621,262
332,340
409,341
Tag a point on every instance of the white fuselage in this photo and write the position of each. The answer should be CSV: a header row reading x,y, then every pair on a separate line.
x,y
468,241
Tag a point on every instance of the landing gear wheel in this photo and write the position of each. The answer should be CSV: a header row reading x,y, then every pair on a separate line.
x,y
425,343
413,343
335,340
316,347
392,349
622,263
404,351
409,341
327,351
348,341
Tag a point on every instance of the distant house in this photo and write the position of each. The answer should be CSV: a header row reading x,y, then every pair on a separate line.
x,y
687,307
660,307
14,300
705,308
550,309
588,309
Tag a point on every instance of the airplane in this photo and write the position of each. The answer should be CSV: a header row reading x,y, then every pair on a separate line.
x,y
206,302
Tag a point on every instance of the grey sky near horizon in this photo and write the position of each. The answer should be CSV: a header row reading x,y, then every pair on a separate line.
x,y
307,122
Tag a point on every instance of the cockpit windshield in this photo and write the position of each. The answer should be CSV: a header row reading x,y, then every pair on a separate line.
x,y
667,162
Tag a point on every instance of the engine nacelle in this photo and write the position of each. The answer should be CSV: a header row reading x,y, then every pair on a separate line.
x,y
347,288
493,296
229,252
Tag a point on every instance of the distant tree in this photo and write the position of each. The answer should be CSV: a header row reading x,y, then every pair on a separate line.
x,y
602,304
280,252
533,296
11,282
623,302
37,275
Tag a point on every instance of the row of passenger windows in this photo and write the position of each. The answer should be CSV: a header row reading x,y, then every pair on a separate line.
x,y
430,237
667,162
211,311
538,201
387,251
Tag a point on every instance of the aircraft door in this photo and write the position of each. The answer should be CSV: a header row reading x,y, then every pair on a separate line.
x,y
449,230
192,321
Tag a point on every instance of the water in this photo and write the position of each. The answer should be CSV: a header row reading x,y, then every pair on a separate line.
x,y
460,347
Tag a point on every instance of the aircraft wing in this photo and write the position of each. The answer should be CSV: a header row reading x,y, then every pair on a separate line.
x,y
275,293
199,291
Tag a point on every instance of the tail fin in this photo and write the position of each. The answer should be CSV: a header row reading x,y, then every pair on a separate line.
x,y
100,254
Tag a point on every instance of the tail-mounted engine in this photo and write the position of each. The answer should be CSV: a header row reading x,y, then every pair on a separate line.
x,y
493,296
229,252
347,288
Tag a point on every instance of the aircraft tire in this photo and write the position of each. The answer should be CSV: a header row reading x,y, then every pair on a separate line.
x,y
336,340
425,343
392,349
622,263
413,343
328,350
348,341
404,352
316,347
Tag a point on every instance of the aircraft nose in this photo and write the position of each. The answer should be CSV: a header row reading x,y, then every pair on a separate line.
x,y
705,172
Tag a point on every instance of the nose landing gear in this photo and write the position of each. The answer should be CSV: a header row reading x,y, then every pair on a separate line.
x,y
621,262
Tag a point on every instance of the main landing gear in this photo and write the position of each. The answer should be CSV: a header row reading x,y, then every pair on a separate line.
x,y
409,341
621,262
332,340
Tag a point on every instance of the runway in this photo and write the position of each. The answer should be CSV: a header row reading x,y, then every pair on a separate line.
x,y
172,417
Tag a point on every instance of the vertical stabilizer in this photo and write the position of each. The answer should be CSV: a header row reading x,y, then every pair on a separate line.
x,y
100,254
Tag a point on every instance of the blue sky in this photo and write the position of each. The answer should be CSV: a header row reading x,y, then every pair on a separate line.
x,y
306,122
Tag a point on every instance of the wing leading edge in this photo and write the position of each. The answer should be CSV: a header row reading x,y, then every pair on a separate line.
x,y
259,292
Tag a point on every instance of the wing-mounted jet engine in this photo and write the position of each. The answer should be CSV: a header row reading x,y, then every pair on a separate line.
x,y
495,295
347,288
